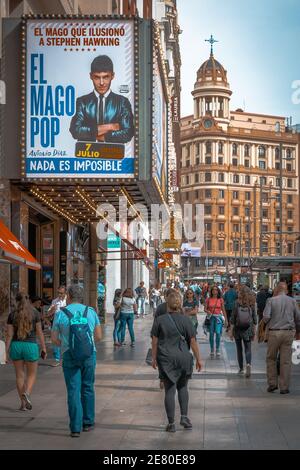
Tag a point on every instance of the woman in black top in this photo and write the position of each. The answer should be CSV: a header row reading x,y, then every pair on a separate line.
x,y
23,326
246,306
172,337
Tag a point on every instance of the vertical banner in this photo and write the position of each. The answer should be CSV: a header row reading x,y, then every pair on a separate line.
x,y
160,129
80,95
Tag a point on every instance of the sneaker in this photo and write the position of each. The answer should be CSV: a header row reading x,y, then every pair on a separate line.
x,y
218,354
241,372
22,408
283,392
75,434
271,388
185,422
88,427
55,363
26,398
248,370
132,345
171,427
212,355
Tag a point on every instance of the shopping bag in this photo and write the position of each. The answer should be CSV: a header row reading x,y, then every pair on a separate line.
x,y
149,357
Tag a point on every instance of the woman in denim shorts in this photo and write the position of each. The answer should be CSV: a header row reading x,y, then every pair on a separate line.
x,y
23,327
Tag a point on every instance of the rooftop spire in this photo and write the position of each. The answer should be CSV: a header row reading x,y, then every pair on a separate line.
x,y
211,40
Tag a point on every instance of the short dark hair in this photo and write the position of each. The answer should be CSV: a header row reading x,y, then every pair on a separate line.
x,y
102,63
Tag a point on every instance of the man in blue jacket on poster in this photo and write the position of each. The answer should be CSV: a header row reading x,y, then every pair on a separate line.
x,y
102,115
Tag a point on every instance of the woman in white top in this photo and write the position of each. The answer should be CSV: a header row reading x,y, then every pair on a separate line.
x,y
128,308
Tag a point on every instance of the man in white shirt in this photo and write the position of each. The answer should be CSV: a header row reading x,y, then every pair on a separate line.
x,y
56,305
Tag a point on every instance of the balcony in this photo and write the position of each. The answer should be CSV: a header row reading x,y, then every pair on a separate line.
x,y
235,202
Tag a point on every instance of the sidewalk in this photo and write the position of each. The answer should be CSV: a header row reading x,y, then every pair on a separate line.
x,y
227,411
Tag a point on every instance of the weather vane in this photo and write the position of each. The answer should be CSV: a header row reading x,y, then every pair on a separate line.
x,y
211,40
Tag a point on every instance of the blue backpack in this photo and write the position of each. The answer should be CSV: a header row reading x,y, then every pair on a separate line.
x,y
81,345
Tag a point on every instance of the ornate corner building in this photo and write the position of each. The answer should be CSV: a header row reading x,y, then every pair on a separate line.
x,y
243,167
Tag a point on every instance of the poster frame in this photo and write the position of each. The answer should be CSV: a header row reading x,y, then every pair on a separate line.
x,y
25,19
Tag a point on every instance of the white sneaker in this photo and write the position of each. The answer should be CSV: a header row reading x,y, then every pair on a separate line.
x,y
212,355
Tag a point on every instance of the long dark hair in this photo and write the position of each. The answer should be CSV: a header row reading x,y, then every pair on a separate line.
x,y
118,294
22,316
219,292
186,294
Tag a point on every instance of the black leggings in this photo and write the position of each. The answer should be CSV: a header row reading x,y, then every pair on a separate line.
x,y
183,397
239,350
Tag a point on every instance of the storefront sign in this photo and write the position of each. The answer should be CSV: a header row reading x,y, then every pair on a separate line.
x,y
175,114
113,241
296,281
80,92
171,244
160,129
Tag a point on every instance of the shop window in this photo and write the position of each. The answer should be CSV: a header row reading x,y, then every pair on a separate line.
x,y
47,248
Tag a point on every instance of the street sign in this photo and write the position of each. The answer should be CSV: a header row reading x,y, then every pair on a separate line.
x,y
167,256
171,244
113,241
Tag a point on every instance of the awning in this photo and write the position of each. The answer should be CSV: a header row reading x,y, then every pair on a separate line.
x,y
11,249
282,264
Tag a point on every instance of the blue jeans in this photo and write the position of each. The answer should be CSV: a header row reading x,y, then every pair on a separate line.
x,y
127,318
117,331
215,329
56,352
141,303
79,378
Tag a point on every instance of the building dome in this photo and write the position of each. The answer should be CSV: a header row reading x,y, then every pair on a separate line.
x,y
212,70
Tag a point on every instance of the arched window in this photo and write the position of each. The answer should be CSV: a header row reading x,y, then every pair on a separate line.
x,y
221,147
261,151
277,153
288,153
247,150
234,149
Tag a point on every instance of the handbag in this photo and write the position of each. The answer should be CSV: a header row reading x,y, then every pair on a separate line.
x,y
183,346
206,323
148,359
262,332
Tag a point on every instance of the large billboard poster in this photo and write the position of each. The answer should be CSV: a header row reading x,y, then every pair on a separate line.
x,y
160,130
80,98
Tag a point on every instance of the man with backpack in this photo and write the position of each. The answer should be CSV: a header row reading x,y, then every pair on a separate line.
x,y
244,321
75,329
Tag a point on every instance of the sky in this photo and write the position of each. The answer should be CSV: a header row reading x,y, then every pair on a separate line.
x,y
259,46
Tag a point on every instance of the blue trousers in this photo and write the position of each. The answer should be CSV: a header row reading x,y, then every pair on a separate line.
x,y
141,303
215,329
117,331
80,378
127,319
56,352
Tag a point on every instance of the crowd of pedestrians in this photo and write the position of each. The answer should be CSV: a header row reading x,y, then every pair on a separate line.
x,y
75,329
